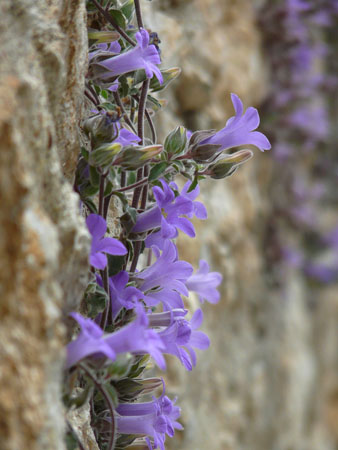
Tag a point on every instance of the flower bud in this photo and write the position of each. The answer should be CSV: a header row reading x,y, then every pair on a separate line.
x,y
227,166
102,37
103,156
203,153
176,141
131,158
168,75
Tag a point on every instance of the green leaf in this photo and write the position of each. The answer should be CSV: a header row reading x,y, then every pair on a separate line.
x,y
94,176
121,366
168,75
119,17
96,301
85,153
115,264
128,10
89,191
157,170
111,391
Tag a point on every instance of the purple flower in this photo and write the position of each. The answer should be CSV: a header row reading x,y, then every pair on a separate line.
x,y
126,137
135,337
97,227
153,419
239,130
204,283
169,214
143,56
181,337
90,341
167,272
122,296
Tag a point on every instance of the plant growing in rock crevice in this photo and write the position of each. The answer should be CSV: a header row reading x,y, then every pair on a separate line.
x,y
135,307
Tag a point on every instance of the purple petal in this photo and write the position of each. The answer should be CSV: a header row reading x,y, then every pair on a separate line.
x,y
199,340
96,225
98,260
112,246
197,319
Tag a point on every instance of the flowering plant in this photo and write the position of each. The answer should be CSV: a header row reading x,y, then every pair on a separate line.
x,y
134,311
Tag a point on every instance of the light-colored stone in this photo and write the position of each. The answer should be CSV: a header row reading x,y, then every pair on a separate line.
x,y
43,241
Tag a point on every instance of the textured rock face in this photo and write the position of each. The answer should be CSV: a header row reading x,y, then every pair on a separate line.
x,y
43,242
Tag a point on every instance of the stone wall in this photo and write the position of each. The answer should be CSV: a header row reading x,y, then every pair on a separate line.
x,y
43,241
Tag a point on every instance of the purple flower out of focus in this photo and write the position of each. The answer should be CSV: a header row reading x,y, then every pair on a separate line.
x,y
97,227
135,337
90,341
143,56
122,296
169,214
181,336
239,130
153,419
167,272
204,283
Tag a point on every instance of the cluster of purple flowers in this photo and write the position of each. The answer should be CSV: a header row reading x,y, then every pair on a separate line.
x,y
144,313
298,108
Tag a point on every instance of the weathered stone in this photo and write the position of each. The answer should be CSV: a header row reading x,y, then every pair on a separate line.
x,y
43,241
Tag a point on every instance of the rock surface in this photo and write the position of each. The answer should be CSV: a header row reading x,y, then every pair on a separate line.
x,y
43,241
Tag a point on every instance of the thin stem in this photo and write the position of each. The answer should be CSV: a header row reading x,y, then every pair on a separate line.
x,y
140,132
92,90
141,109
137,251
105,314
138,13
91,98
124,113
101,197
132,109
108,401
151,126
112,21
123,178
145,188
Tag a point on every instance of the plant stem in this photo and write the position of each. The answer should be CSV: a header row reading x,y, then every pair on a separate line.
x,y
124,113
138,13
112,21
151,126
140,132
108,401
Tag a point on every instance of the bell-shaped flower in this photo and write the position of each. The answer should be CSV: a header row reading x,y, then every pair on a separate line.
x,y
204,283
152,419
239,130
90,341
143,56
170,214
97,227
135,337
167,272
180,338
122,296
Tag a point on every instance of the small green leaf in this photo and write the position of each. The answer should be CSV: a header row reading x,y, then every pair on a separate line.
x,y
157,170
128,10
119,17
96,301
94,176
115,264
